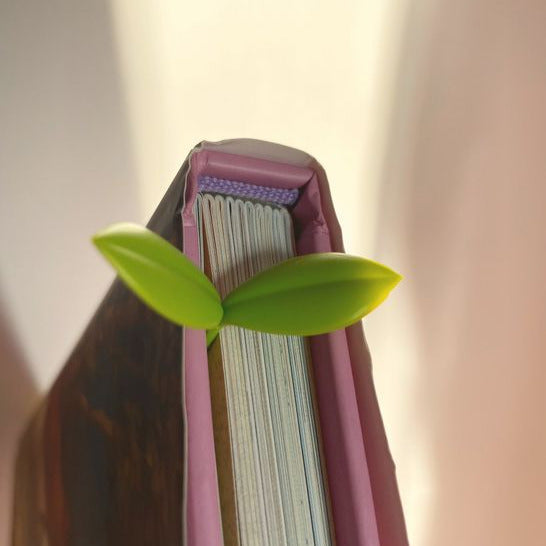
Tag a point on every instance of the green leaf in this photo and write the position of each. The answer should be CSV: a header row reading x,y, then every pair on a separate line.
x,y
160,275
310,295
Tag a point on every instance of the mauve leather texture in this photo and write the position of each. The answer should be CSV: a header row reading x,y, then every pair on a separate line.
x,y
365,501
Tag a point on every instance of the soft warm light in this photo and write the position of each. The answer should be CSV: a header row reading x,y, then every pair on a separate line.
x,y
428,117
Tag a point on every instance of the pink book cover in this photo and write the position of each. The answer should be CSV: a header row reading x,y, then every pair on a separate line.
x,y
365,502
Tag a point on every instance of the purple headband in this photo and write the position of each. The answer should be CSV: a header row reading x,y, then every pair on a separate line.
x,y
279,196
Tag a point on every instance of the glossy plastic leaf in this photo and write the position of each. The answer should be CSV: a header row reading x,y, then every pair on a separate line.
x,y
310,295
161,275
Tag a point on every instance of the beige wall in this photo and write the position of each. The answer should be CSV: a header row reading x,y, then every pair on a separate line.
x,y
429,119
460,351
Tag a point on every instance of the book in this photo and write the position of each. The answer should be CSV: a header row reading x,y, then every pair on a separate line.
x,y
126,447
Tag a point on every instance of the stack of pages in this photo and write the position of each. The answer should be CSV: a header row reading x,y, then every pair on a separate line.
x,y
272,484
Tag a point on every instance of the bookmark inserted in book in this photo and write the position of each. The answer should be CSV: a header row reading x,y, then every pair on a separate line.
x,y
272,484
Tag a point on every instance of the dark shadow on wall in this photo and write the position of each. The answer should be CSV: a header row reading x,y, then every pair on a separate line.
x,y
462,216
66,170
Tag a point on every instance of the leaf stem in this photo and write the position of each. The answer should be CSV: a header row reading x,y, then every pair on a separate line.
x,y
211,336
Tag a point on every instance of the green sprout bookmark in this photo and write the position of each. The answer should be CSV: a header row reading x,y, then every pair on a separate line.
x,y
306,295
